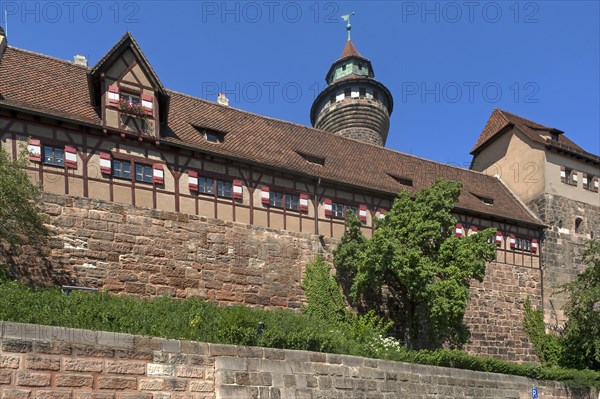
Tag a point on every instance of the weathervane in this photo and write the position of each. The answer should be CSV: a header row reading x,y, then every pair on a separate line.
x,y
348,26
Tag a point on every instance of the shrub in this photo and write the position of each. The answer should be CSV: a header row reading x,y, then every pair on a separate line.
x,y
196,319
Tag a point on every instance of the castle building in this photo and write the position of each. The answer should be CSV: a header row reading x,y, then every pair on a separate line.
x,y
556,179
155,192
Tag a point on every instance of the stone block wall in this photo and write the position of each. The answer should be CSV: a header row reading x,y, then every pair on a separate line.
x,y
50,362
562,247
145,252
496,311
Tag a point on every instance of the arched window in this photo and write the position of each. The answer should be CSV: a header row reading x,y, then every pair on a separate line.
x,y
578,225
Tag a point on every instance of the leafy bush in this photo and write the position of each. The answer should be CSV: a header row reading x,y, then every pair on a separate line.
x,y
323,296
548,347
578,346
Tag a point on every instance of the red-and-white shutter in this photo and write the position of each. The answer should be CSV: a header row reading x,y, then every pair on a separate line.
x,y
327,206
534,245
105,163
71,157
513,241
473,230
362,213
113,95
264,195
382,213
193,180
499,238
303,205
237,189
158,173
563,174
458,230
574,177
34,147
147,104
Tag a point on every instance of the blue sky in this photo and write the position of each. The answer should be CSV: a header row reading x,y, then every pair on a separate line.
x,y
448,64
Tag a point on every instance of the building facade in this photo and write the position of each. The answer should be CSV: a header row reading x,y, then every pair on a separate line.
x,y
556,179
155,192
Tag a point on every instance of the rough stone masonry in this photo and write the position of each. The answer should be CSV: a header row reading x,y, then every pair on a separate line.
x,y
146,252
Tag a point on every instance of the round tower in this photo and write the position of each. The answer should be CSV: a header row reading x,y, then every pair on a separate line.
x,y
353,104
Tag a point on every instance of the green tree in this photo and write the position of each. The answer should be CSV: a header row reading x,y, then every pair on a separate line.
x,y
20,221
417,269
548,346
323,296
348,254
582,330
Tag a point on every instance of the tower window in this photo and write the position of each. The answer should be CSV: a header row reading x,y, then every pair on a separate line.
x,y
347,92
376,95
578,223
332,99
362,92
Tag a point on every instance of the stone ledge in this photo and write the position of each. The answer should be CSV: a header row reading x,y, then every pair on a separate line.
x,y
225,355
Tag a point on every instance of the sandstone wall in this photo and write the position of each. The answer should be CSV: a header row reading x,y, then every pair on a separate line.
x,y
144,252
50,362
495,312
563,246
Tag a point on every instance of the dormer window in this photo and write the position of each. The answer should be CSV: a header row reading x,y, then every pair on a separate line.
x,y
312,158
405,181
212,136
131,98
132,103
484,199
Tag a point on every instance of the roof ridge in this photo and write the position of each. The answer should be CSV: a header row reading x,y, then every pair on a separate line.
x,y
503,112
212,103
337,136
67,62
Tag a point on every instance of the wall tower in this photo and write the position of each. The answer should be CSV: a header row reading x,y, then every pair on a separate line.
x,y
353,104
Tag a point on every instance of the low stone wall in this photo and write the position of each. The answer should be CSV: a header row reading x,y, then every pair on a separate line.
x,y
40,362
145,252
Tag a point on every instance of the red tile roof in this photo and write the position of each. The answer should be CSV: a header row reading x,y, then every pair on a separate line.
x,y
500,121
41,83
349,50
55,87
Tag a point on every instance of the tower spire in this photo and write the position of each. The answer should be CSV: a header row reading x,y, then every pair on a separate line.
x,y
353,104
348,26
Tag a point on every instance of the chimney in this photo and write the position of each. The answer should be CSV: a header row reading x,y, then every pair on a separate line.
x,y
80,60
222,99
3,41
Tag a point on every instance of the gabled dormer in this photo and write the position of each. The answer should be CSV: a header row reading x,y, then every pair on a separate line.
x,y
126,90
